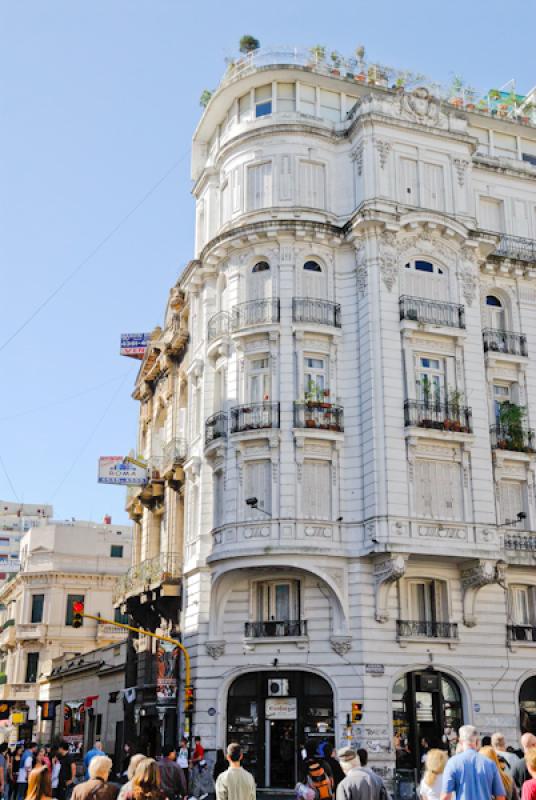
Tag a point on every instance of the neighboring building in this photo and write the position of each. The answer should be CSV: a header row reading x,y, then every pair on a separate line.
x,y
15,520
60,563
87,694
358,544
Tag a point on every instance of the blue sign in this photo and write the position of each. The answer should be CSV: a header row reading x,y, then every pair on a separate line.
x,y
134,344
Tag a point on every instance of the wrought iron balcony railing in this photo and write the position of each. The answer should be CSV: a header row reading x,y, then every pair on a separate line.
x,y
438,416
504,342
164,568
523,542
512,437
251,416
215,427
275,628
255,312
407,629
521,633
218,325
516,247
419,309
320,312
326,416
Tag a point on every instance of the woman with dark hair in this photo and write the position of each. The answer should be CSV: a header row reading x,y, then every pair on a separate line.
x,y
39,785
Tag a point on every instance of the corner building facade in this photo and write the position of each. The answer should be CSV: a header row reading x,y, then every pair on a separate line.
x,y
358,491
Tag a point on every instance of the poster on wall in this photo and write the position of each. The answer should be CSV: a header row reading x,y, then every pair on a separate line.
x,y
167,655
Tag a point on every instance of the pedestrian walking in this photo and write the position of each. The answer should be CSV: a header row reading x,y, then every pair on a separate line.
x,y
510,789
126,788
96,750
25,767
360,783
498,742
434,766
235,783
470,775
14,771
39,784
97,787
334,764
220,765
529,787
520,772
146,782
67,773
199,751
182,758
172,780
316,773
202,785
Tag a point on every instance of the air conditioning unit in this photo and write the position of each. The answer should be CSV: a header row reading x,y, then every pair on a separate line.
x,y
278,687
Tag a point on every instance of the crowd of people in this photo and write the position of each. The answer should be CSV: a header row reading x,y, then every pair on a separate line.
x,y
480,770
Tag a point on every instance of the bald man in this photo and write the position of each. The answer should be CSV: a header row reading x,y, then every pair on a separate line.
x,y
520,772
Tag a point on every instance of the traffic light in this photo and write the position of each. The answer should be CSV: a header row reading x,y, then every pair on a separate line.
x,y
189,698
78,614
357,712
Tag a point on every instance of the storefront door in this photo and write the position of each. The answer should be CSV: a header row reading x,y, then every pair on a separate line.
x,y
272,715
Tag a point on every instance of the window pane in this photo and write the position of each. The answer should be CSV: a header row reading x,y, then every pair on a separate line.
x,y
32,664
282,602
263,93
38,601
263,109
116,551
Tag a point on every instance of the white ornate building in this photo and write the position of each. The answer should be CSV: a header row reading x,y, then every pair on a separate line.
x,y
356,398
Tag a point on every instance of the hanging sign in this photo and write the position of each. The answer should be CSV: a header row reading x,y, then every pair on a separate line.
x,y
134,345
121,471
281,708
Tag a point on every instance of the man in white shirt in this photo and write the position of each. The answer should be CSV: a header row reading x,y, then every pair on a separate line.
x,y
235,783
26,766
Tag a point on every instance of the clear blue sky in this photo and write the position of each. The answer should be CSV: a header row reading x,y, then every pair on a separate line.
x,y
98,99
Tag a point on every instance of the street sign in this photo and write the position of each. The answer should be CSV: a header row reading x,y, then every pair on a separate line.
x,y
134,345
121,471
374,669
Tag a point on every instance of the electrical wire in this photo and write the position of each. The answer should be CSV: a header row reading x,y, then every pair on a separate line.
x,y
92,253
6,473
90,437
62,400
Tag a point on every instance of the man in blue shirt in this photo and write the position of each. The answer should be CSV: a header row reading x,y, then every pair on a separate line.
x,y
470,776
96,750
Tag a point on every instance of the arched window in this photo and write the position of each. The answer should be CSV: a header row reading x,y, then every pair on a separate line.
x,y
424,266
527,706
312,266
261,266
495,313
491,300
314,280
425,279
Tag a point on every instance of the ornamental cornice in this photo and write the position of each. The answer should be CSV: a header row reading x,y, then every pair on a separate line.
x,y
387,570
474,577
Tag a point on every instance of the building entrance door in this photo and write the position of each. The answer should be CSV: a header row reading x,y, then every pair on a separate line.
x,y
281,752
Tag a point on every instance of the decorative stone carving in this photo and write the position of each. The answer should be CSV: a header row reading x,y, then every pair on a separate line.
x,y
474,577
468,271
420,106
383,148
357,156
215,649
387,570
460,165
388,259
361,268
341,644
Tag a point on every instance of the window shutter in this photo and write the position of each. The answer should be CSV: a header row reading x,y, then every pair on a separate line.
x,y
434,186
235,189
259,186
438,490
259,485
225,202
312,184
316,498
491,214
285,178
409,188
511,500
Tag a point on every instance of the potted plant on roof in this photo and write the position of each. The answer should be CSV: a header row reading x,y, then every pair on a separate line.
x,y
470,97
336,60
248,44
318,53
456,91
360,55
204,100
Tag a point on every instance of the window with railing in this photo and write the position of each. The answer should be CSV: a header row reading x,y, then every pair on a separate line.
x,y
522,627
438,415
319,312
433,312
255,312
516,247
252,416
277,610
218,325
498,341
427,607
215,427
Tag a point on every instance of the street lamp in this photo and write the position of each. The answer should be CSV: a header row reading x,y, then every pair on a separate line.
x,y
252,502
520,517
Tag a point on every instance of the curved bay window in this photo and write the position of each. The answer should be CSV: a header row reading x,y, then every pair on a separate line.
x,y
427,713
527,706
271,714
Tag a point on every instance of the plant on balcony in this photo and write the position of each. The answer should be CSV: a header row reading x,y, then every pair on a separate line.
x,y
454,409
318,53
248,44
3,678
511,423
337,61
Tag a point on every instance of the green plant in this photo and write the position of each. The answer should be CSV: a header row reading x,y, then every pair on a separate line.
x,y
248,44
511,421
318,52
3,678
336,58
457,85
455,401
313,392
204,100
360,55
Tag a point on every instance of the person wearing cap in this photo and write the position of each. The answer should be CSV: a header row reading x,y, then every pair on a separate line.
x,y
360,783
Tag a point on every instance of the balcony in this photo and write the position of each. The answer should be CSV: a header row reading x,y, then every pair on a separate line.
x,y
275,629
7,634
149,574
109,633
218,326
520,542
512,437
514,344
255,312
254,416
215,427
417,629
31,631
521,633
18,691
318,312
324,416
517,248
432,312
174,455
437,416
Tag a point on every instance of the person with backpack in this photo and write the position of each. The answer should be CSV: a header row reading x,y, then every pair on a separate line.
x,y
360,782
317,774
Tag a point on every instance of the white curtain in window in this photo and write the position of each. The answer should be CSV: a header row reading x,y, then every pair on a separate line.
x,y
520,605
438,489
259,186
316,483
512,501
